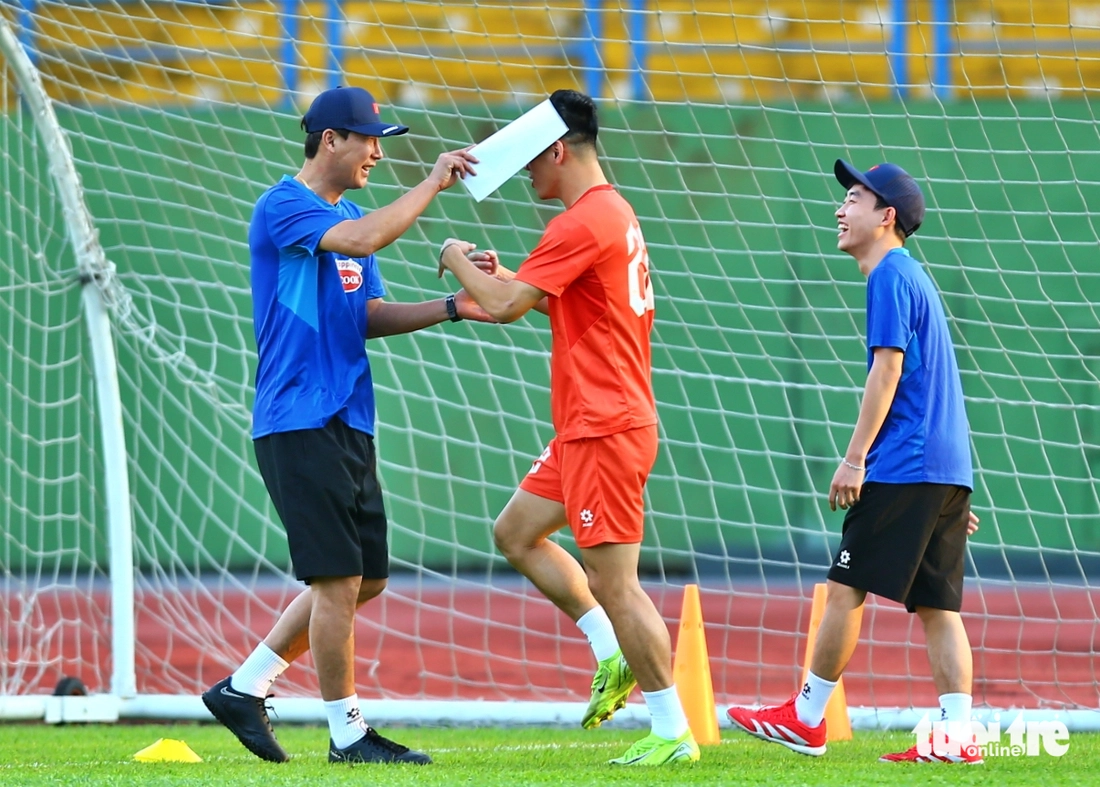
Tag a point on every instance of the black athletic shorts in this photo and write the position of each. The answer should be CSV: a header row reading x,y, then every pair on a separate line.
x,y
324,485
906,542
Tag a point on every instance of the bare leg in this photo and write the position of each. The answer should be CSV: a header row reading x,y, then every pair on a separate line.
x,y
331,634
839,632
521,533
289,637
643,636
949,652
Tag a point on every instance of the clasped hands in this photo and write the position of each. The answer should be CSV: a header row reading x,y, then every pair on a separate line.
x,y
485,261
451,252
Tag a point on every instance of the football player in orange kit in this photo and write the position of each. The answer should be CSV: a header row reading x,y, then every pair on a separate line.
x,y
590,273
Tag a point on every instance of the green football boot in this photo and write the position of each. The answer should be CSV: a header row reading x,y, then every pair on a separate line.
x,y
652,750
611,686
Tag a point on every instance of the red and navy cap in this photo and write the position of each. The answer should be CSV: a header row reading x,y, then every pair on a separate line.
x,y
351,108
893,184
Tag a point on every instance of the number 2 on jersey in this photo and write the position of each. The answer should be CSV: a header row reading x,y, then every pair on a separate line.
x,y
641,289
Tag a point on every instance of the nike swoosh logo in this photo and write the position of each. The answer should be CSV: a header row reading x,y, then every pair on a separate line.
x,y
388,129
230,693
604,684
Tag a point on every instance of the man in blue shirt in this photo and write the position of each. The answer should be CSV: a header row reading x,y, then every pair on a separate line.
x,y
905,479
317,296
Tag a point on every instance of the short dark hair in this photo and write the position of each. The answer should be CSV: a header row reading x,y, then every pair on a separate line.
x,y
880,204
313,139
579,113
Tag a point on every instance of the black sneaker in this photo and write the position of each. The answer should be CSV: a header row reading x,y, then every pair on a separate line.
x,y
246,717
372,747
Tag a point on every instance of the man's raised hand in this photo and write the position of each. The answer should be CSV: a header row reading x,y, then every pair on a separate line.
x,y
451,166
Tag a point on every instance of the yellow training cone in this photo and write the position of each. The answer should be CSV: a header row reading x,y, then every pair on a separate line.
x,y
167,750
691,671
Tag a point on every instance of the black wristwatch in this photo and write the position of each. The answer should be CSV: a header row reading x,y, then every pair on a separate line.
x,y
452,310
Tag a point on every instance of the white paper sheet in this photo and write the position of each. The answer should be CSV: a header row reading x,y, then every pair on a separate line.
x,y
509,150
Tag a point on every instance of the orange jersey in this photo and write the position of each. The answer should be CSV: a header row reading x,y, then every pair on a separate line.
x,y
593,265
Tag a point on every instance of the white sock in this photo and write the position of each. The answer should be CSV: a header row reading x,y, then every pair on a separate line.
x,y
811,701
345,723
601,634
666,713
955,707
258,672
955,710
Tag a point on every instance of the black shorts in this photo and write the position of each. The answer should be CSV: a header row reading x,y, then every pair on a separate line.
x,y
906,542
324,485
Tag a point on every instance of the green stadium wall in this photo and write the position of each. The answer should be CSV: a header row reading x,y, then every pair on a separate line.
x,y
1029,367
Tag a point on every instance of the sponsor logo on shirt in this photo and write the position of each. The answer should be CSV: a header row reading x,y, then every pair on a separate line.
x,y
351,274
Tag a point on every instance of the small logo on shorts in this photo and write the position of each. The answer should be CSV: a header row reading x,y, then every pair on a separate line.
x,y
845,559
587,518
351,274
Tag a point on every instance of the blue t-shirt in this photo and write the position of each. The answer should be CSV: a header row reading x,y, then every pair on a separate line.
x,y
310,314
925,437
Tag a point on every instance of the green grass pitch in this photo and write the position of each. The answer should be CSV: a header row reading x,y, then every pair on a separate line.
x,y
34,755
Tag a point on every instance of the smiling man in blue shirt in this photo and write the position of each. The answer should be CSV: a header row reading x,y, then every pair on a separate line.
x,y
905,479
317,297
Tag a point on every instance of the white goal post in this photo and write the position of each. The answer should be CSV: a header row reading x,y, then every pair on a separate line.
x,y
94,271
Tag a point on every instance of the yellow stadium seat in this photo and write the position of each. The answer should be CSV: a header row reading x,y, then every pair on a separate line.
x,y
702,50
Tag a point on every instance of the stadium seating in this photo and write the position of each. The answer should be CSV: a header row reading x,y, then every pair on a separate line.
x,y
706,50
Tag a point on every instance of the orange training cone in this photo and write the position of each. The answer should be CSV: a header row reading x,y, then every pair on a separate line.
x,y
691,671
837,723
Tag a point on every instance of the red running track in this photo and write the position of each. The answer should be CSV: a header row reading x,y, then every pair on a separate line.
x,y
1032,648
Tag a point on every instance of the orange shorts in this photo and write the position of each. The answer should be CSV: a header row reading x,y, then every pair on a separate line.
x,y
601,482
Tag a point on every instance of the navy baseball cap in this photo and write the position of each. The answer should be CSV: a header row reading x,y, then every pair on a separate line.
x,y
351,108
896,187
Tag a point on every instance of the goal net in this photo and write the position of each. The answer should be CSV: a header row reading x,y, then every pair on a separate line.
x,y
720,122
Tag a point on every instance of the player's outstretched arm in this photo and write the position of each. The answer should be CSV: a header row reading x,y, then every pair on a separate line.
x,y
488,262
385,318
379,228
505,300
